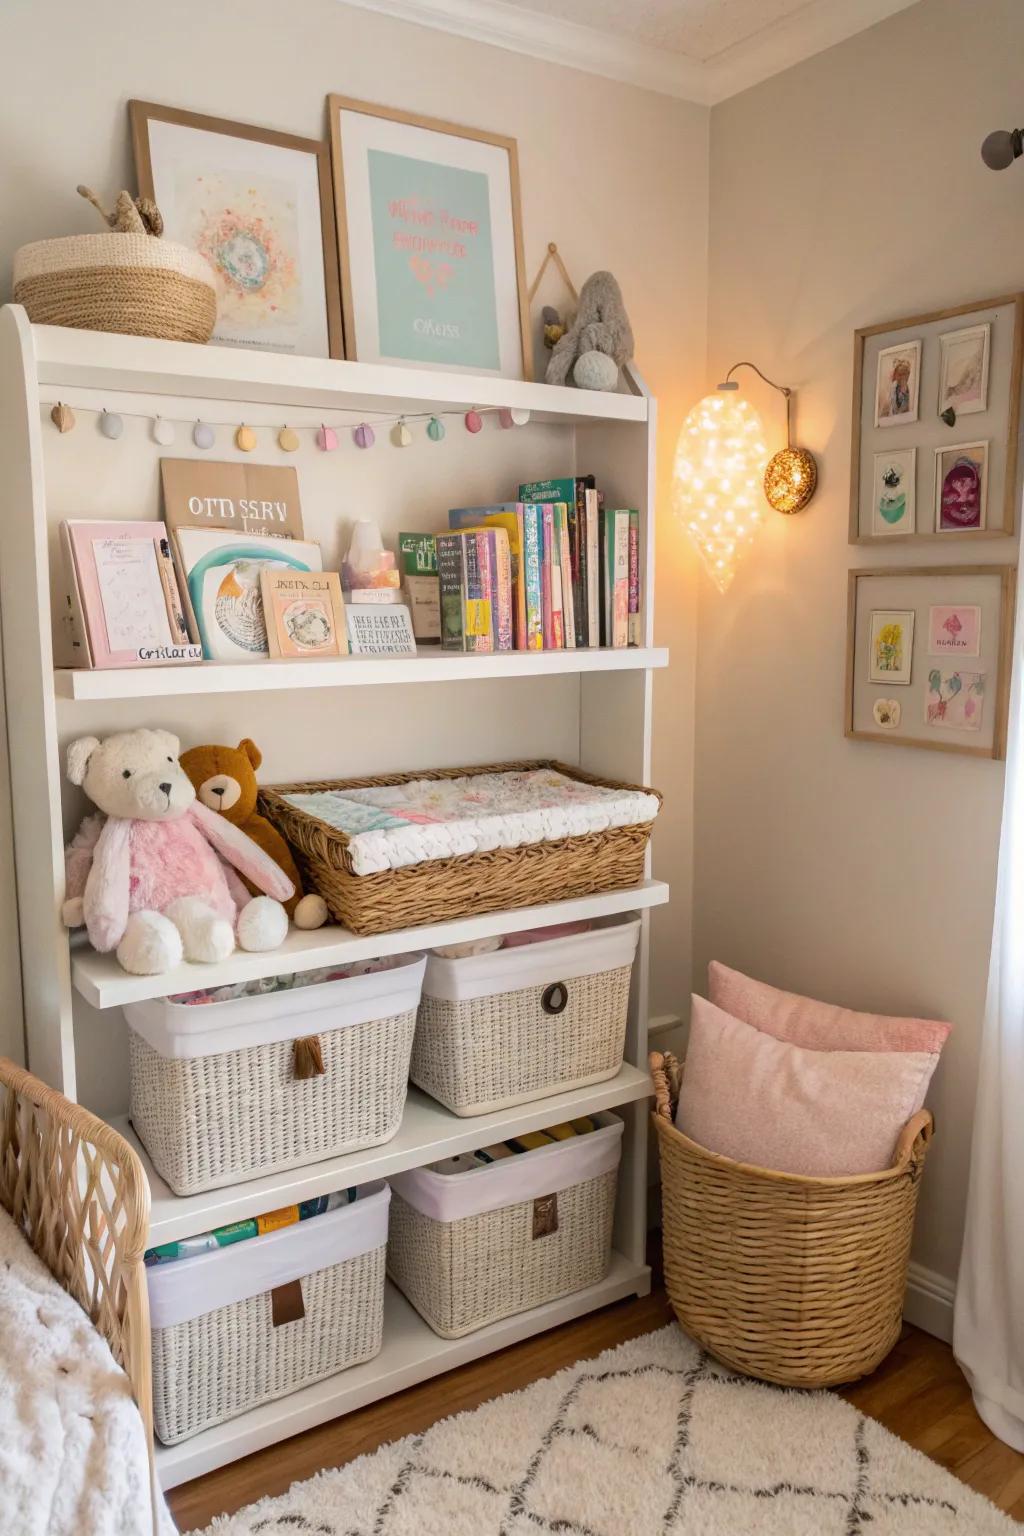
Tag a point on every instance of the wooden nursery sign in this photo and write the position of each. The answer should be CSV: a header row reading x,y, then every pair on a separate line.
x,y
260,500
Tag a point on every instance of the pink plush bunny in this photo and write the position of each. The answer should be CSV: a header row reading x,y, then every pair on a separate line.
x,y
154,876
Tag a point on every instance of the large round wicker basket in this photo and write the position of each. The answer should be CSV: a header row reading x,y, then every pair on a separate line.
x,y
136,284
794,1280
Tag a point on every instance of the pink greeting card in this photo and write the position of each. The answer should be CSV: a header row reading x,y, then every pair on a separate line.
x,y
954,630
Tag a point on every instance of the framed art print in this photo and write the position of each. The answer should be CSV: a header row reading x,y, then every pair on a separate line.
x,y
961,486
928,657
893,498
257,204
429,241
891,643
963,370
898,384
937,422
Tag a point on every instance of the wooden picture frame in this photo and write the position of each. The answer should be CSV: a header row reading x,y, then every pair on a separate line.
x,y
306,302
999,422
359,263
997,654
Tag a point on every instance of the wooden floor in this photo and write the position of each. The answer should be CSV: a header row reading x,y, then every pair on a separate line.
x,y
918,1393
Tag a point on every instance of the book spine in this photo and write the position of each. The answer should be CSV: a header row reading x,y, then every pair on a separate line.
x,y
449,573
565,561
504,624
533,559
606,543
518,556
635,635
547,539
593,569
577,546
476,614
619,533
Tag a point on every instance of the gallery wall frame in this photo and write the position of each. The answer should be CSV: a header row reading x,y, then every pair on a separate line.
x,y
374,315
910,429
317,330
920,687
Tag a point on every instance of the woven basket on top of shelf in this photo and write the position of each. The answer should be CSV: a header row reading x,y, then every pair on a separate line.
x,y
794,1280
439,889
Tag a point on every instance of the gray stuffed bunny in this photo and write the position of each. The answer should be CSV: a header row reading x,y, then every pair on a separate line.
x,y
599,340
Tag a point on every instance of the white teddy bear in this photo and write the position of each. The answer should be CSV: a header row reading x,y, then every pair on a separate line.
x,y
154,876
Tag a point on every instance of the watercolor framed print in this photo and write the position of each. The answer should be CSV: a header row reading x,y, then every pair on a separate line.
x,y
257,204
893,501
963,370
954,630
430,242
961,488
955,699
928,657
898,385
891,646
913,381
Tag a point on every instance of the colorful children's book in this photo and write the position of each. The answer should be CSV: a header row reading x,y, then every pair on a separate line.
x,y
546,584
222,572
594,567
417,558
510,516
565,564
477,621
450,578
571,491
304,614
504,607
635,633
532,567
615,530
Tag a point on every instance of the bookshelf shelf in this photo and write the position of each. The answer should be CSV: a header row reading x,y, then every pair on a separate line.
x,y
344,718
428,666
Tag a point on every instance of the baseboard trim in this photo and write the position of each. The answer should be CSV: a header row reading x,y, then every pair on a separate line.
x,y
929,1301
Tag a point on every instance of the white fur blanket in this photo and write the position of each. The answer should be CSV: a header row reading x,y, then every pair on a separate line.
x,y
73,1456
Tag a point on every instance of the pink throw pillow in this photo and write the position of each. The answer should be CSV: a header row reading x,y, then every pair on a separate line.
x,y
819,1026
760,1100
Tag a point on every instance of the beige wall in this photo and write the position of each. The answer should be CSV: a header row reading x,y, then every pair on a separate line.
x,y
849,190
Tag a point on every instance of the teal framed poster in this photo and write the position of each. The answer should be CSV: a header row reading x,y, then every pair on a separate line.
x,y
430,242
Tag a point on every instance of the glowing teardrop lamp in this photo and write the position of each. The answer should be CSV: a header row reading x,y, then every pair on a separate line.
x,y
720,476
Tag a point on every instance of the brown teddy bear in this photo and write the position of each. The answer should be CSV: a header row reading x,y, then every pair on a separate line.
x,y
224,779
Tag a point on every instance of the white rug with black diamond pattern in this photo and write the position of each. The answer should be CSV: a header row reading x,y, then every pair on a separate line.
x,y
653,1438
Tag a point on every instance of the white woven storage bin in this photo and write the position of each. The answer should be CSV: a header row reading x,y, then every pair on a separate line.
x,y
217,1349
525,1022
214,1092
470,1248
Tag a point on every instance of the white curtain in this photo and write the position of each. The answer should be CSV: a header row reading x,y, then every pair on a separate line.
x,y
988,1335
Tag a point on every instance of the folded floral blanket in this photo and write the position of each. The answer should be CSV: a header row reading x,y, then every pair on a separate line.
x,y
393,825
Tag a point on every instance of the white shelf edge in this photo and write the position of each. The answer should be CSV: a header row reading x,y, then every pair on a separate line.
x,y
103,983
428,1132
65,358
427,666
410,1353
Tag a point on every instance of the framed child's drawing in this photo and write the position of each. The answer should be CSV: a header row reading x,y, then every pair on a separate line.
x,y
430,242
936,424
928,657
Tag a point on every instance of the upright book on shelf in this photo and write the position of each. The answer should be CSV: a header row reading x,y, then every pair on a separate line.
x,y
509,515
123,599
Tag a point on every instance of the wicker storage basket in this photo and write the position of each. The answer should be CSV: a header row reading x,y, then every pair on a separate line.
x,y
439,889
471,1248
218,1093
135,284
794,1280
243,1325
525,1022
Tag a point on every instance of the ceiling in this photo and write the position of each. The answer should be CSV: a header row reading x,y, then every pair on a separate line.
x,y
700,50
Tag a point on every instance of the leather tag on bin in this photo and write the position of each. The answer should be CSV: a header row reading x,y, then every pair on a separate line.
x,y
307,1057
545,1215
286,1304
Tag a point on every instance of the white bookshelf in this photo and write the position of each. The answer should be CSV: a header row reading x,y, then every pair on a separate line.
x,y
339,718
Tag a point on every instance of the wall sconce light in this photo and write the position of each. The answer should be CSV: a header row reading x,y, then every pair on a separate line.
x,y
719,475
